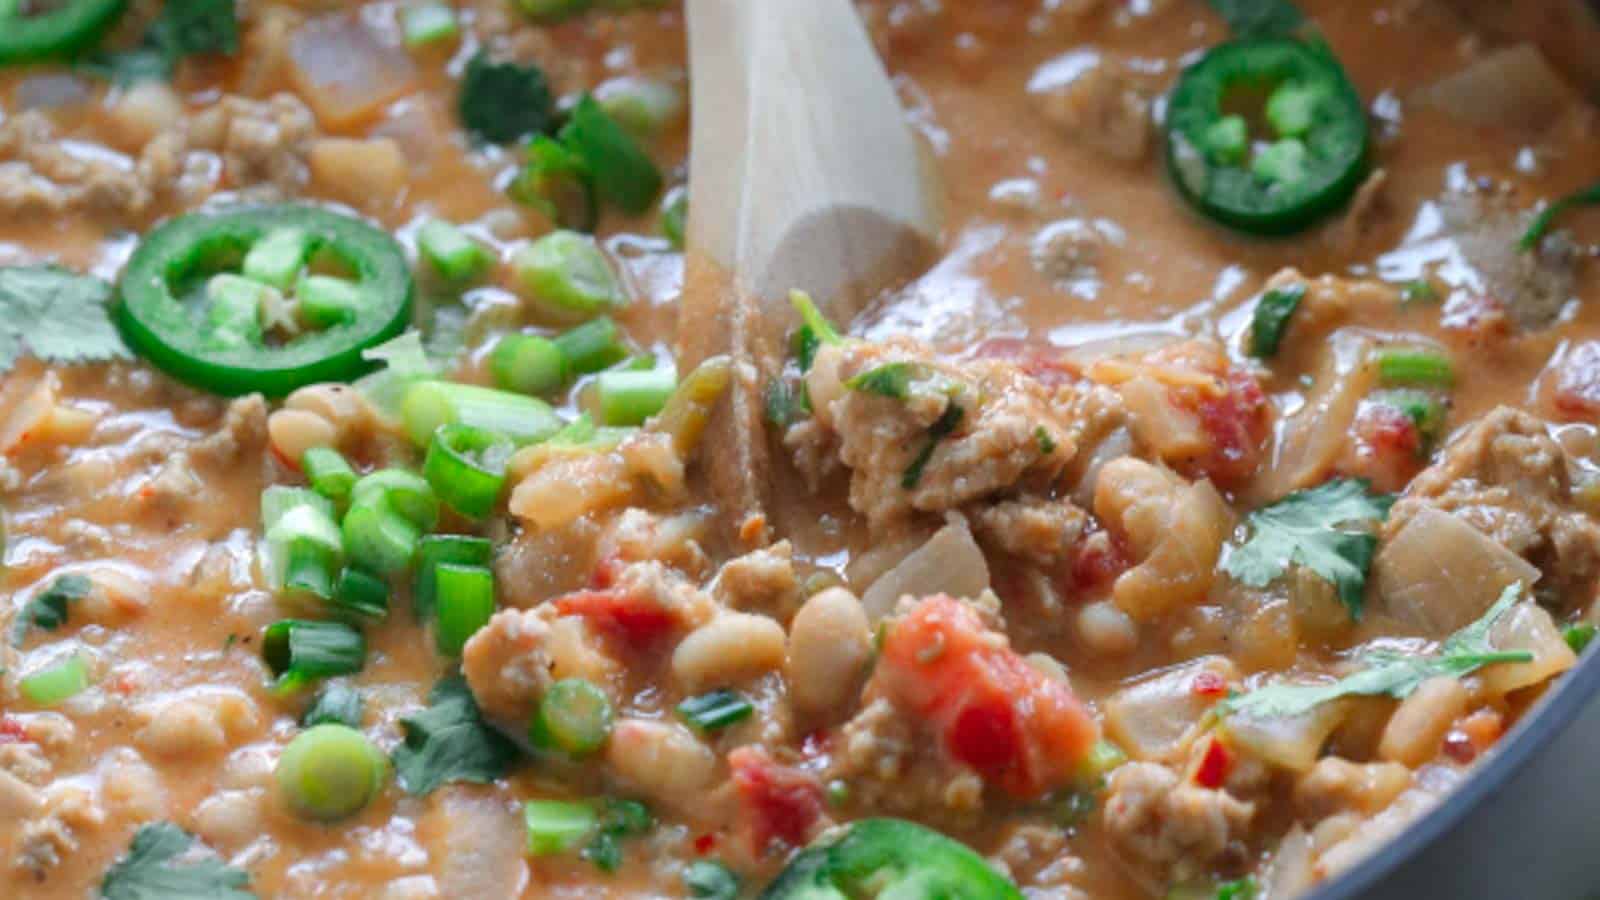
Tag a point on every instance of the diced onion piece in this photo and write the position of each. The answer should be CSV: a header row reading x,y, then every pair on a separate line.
x,y
1437,573
1513,87
1527,627
1291,743
346,71
949,563
1157,718
1171,432
1311,441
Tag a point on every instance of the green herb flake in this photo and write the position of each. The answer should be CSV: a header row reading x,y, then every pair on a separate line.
x,y
1388,672
1304,528
1546,218
48,609
619,820
892,380
503,101
450,742
1578,636
943,428
1047,444
1271,319
57,316
822,331
709,880
159,865
1419,290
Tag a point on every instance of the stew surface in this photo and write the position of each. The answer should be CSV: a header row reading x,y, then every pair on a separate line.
x,y
1210,508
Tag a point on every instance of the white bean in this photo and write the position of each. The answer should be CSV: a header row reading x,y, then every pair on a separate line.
x,y
829,645
294,431
663,760
731,647
1105,629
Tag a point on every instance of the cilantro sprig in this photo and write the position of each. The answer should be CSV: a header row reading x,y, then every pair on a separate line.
x,y
1389,672
57,316
449,741
159,865
1308,527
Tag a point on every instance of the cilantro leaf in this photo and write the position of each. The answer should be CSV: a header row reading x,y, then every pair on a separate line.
x,y
56,315
1388,672
449,741
1303,528
619,820
892,380
710,880
502,101
152,870
1271,319
48,610
338,703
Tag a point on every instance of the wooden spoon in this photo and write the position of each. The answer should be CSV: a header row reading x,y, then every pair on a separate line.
x,y
803,175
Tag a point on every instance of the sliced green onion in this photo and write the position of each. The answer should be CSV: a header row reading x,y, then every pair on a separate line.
x,y
690,407
326,301
56,683
567,276
715,710
623,172
631,397
406,493
675,216
467,467
422,24
574,718
1103,757
465,604
277,500
459,549
556,181
526,363
362,595
1426,368
329,472
278,257
299,652
452,253
233,311
337,703
429,404
558,826
330,772
644,106
379,539
591,347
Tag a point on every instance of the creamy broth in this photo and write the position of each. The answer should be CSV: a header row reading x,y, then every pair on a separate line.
x,y
1071,269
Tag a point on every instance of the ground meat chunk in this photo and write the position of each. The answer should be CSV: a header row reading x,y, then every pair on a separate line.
x,y
761,581
891,767
1156,820
507,663
1509,479
1096,101
1337,785
243,431
959,434
1041,531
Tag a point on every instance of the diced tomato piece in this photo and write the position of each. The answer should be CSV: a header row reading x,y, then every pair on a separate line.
x,y
1236,423
704,844
635,620
1576,390
606,572
1388,430
1214,765
12,731
1209,684
1015,725
1473,735
781,803
1098,560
